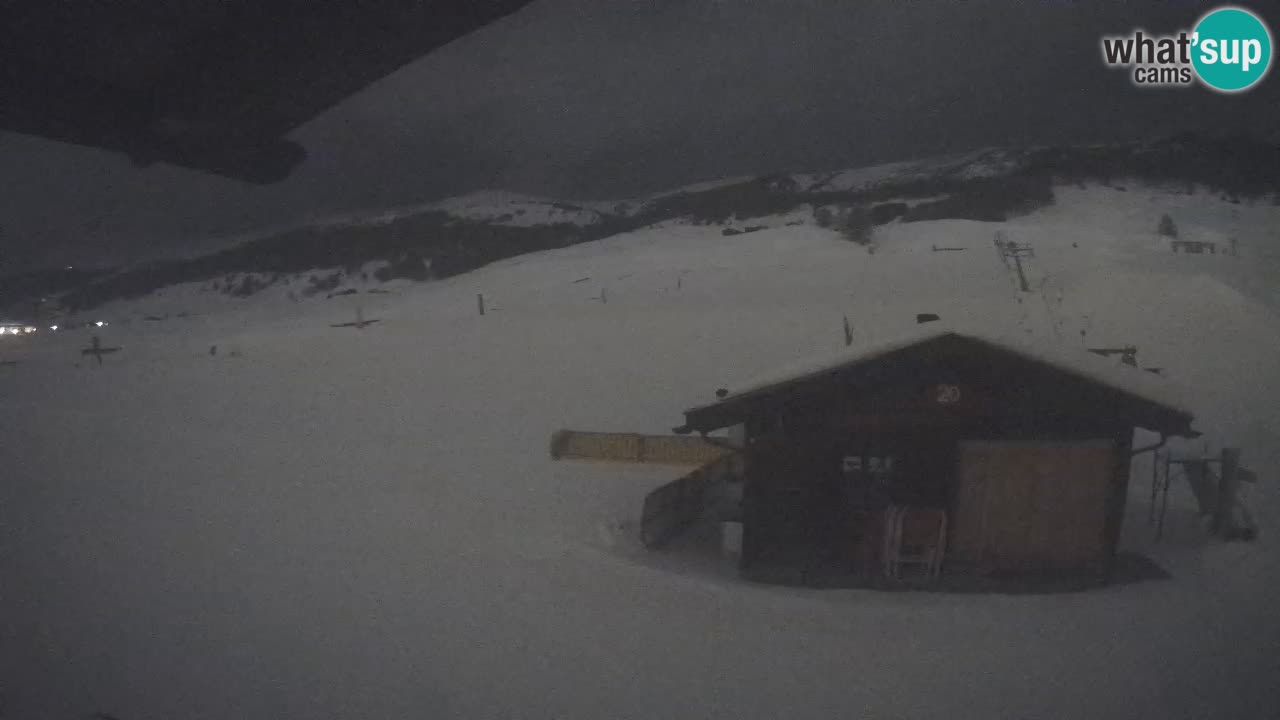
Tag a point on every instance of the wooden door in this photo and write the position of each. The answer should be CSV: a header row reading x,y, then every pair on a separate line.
x,y
1032,506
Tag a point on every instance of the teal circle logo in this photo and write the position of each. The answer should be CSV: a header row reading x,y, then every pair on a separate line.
x,y
1231,49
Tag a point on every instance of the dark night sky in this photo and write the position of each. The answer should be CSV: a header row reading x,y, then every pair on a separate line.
x,y
606,98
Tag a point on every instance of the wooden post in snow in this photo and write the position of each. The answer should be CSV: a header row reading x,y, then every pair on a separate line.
x,y
1155,479
480,302
1225,508
1000,251
97,350
848,332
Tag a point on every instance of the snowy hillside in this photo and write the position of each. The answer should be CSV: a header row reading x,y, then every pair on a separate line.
x,y
983,163
501,208
444,238
249,513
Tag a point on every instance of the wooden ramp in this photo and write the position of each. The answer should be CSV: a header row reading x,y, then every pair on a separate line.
x,y
671,509
635,448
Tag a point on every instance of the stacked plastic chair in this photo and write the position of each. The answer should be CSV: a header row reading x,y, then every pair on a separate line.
x,y
914,536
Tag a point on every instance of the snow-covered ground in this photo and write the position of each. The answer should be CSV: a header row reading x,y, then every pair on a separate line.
x,y
330,522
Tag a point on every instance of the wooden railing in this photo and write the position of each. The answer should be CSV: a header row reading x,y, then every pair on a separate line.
x,y
635,448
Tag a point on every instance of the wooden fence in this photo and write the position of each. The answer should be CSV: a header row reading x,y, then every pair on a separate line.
x,y
635,448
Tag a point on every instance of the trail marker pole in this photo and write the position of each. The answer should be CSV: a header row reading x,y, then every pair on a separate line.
x,y
97,351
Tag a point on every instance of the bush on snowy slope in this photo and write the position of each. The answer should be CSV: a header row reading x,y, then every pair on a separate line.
x,y
888,212
857,226
409,266
322,284
854,223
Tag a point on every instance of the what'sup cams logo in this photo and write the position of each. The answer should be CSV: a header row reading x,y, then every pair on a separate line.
x,y
1229,51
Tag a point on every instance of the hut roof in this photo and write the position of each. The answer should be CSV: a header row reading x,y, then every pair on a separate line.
x,y
1154,403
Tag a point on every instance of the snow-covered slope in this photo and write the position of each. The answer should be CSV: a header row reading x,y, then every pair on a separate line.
x,y
496,206
446,237
977,164
506,208
331,522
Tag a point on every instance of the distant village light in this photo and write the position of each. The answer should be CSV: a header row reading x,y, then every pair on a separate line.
x,y
15,329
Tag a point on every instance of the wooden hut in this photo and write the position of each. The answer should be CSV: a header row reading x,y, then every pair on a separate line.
x,y
1024,450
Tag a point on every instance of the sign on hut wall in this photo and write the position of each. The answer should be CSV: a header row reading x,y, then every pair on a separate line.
x,y
932,403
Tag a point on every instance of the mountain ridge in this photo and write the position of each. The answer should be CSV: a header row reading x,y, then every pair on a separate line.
x,y
439,239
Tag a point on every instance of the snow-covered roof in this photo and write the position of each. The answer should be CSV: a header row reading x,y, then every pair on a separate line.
x,y
1073,361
